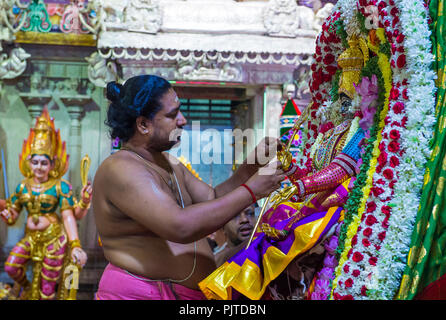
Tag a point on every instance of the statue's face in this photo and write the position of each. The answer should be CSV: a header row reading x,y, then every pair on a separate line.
x,y
346,103
40,166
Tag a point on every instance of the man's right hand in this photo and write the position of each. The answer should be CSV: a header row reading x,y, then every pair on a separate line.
x,y
2,204
266,180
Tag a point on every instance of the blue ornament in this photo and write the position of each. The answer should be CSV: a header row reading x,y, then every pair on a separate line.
x,y
15,10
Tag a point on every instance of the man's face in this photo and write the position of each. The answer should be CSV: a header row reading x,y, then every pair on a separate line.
x,y
168,123
241,226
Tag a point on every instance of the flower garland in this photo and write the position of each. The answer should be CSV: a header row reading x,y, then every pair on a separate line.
x,y
323,279
377,253
346,270
415,138
349,17
374,239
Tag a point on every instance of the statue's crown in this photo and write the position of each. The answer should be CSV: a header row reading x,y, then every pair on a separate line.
x,y
351,61
43,141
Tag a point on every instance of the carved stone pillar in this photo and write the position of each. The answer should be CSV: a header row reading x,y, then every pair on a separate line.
x,y
75,109
35,102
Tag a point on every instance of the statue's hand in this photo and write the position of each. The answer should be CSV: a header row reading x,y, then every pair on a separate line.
x,y
272,232
286,158
78,256
9,215
86,193
5,214
284,195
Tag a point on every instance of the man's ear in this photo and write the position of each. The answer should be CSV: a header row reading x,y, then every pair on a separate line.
x,y
143,125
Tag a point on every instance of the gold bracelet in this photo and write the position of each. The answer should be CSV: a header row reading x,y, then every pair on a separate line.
x,y
81,204
75,244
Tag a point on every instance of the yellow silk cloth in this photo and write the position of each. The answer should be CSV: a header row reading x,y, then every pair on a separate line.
x,y
248,278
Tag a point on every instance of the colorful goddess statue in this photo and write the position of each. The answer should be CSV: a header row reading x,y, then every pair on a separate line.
x,y
292,228
343,228
51,240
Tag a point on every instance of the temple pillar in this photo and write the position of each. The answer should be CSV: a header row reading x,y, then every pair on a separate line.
x,y
75,109
272,109
75,146
75,106
35,102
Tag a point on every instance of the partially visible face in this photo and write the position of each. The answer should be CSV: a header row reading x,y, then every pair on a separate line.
x,y
241,226
40,166
168,123
346,102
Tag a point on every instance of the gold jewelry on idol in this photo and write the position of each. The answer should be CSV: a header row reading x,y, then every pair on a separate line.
x,y
351,61
81,204
75,244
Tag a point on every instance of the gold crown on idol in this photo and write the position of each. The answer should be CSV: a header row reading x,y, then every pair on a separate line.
x,y
351,61
44,139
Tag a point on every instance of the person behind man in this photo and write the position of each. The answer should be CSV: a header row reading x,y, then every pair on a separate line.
x,y
238,231
151,212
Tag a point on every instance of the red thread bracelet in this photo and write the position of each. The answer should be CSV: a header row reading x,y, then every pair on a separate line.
x,y
250,191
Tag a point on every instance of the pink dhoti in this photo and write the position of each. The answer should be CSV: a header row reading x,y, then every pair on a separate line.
x,y
118,284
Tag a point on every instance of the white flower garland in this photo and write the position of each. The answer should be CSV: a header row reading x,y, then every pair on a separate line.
x,y
415,141
387,242
348,15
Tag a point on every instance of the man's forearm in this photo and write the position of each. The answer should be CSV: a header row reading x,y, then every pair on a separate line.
x,y
240,176
201,219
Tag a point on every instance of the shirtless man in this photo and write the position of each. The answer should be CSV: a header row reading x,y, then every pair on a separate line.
x,y
152,214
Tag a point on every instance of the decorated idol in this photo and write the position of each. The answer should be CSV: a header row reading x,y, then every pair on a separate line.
x,y
343,228
51,242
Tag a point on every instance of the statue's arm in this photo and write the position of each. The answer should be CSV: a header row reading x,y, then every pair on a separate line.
x,y
82,206
338,171
10,209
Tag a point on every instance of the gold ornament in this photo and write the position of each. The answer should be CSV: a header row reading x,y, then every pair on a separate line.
x,y
75,244
85,167
44,135
351,61
285,157
81,204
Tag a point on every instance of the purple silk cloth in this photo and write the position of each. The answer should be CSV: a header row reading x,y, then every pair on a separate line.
x,y
256,251
262,242
250,271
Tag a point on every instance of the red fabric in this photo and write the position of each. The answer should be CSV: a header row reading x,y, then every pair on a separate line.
x,y
435,291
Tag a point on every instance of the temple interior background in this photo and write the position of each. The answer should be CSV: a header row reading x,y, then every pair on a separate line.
x,y
234,64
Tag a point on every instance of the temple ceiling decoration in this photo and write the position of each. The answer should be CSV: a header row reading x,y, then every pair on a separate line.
x,y
252,42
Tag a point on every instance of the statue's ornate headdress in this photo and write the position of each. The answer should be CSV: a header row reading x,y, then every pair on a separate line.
x,y
44,139
352,61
